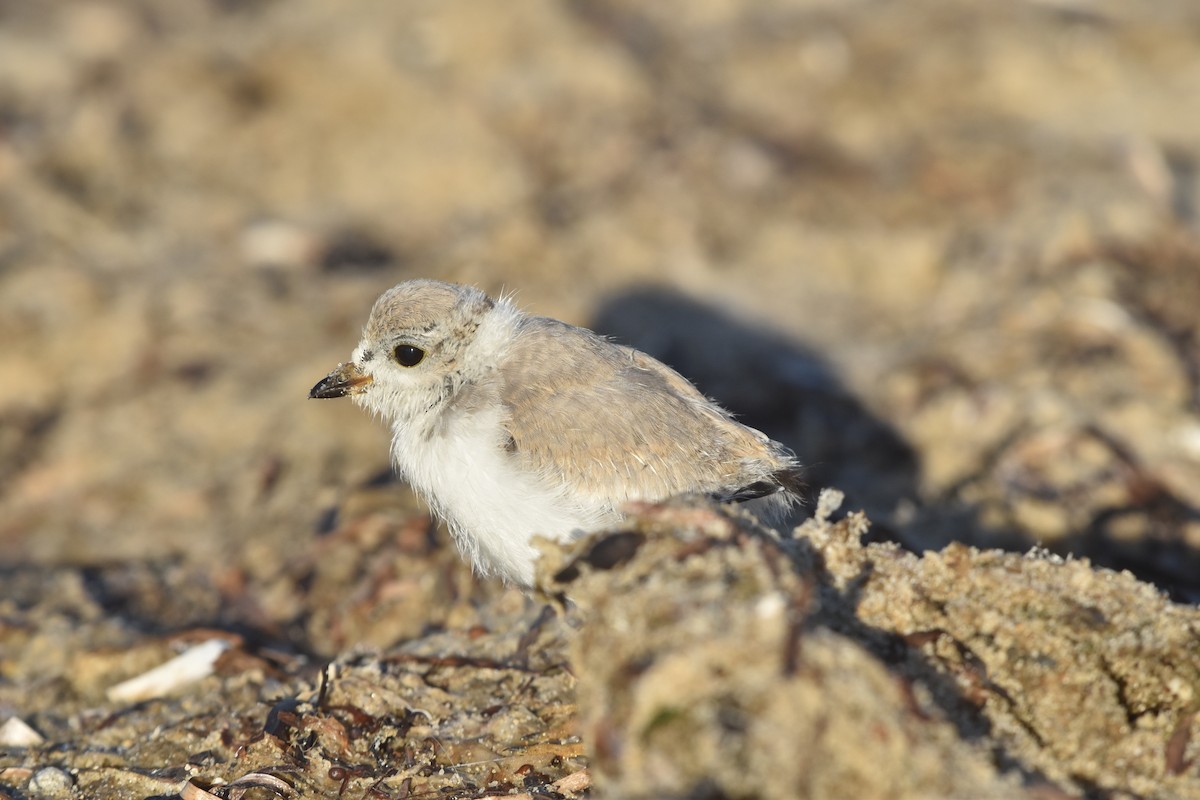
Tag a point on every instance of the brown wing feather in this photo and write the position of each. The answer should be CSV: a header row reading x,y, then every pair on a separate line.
x,y
621,425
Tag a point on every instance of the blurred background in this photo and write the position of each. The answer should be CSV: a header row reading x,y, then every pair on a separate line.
x,y
947,251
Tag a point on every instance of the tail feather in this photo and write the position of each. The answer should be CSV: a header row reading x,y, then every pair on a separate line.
x,y
784,480
791,480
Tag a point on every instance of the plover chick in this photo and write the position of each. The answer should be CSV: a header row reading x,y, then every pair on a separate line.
x,y
512,425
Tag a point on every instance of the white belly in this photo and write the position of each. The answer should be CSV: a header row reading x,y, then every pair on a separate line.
x,y
492,510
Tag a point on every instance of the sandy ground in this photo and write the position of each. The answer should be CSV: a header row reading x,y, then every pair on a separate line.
x,y
947,251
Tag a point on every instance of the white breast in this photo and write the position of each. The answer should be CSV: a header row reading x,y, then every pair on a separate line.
x,y
492,510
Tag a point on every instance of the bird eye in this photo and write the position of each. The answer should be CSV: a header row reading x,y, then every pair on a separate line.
x,y
408,356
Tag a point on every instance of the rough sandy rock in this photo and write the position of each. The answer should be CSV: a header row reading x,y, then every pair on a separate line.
x,y
715,657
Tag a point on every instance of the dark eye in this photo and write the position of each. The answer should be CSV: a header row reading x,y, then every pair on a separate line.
x,y
407,355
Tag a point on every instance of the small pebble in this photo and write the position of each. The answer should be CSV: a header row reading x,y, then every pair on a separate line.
x,y
15,732
50,782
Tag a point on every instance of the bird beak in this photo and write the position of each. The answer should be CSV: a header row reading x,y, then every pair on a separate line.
x,y
344,380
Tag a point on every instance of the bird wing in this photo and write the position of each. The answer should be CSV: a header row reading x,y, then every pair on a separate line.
x,y
615,424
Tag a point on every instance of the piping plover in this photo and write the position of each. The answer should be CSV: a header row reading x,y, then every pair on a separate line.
x,y
512,425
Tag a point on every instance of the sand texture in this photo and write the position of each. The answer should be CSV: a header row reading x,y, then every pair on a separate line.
x,y
947,251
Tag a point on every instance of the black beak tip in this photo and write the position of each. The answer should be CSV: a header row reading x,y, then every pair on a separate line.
x,y
326,389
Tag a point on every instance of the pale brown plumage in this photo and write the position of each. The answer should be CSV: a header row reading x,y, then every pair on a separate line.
x,y
644,430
